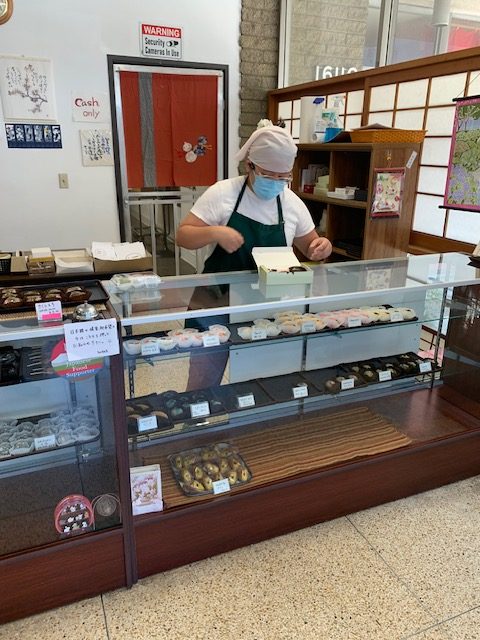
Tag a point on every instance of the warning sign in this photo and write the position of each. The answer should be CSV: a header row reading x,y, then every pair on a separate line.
x,y
161,42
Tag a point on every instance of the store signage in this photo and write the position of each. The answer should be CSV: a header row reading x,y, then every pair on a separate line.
x,y
347,384
425,367
92,339
396,316
157,41
49,310
78,369
308,326
354,322
329,71
89,106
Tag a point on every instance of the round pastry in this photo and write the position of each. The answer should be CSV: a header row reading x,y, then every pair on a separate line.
x,y
178,462
222,332
12,301
211,468
331,321
166,344
73,288
407,313
132,347
319,324
290,327
369,375
196,339
235,463
232,477
272,330
353,377
196,486
52,296
184,341
189,330
186,476
198,473
262,322
33,298
77,296
177,412
243,474
331,386
245,333
207,483
224,466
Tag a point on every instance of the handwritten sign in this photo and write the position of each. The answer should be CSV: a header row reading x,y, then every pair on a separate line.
x,y
93,339
246,401
45,442
49,310
147,423
200,409
211,341
384,376
220,486
301,391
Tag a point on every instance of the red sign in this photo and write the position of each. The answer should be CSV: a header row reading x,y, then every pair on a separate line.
x,y
157,30
77,369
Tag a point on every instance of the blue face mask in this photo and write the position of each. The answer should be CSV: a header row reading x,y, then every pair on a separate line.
x,y
267,189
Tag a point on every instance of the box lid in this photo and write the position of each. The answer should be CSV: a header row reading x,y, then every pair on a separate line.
x,y
275,257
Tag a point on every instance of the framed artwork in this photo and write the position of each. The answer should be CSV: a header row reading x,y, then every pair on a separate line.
x,y
33,136
387,193
96,147
463,176
26,89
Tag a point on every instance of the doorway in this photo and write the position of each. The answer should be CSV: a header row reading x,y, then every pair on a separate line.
x,y
169,123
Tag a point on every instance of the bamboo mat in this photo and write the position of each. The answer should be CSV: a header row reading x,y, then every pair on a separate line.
x,y
298,447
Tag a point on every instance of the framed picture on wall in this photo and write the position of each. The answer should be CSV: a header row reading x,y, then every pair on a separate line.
x,y
387,193
26,89
463,176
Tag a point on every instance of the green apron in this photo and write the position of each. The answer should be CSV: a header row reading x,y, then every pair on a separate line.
x,y
255,234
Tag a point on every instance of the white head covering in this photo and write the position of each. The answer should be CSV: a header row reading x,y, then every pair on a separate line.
x,y
271,148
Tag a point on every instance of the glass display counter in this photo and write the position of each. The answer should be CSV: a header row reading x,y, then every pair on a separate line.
x,y
267,409
61,516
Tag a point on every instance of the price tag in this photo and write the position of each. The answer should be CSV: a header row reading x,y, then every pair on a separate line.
x,y
246,401
150,348
354,322
46,442
396,316
211,341
258,333
301,391
308,326
411,160
383,376
200,409
425,367
49,310
221,486
347,384
147,423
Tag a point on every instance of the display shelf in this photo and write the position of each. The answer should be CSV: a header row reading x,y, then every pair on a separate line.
x,y
353,204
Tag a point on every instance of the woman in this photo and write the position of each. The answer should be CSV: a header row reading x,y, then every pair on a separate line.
x,y
235,215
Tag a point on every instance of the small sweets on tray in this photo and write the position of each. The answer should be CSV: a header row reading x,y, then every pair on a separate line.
x,y
195,470
12,298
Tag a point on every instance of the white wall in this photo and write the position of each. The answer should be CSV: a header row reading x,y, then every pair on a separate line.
x,y
77,38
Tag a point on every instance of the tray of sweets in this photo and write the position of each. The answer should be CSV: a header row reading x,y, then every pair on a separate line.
x,y
24,298
195,470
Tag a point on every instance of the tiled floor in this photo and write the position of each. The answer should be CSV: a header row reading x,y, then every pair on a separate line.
x,y
407,569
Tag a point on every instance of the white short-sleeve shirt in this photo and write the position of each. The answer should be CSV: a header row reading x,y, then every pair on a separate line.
x,y
216,205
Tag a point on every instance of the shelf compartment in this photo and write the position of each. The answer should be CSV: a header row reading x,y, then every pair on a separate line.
x,y
353,204
298,447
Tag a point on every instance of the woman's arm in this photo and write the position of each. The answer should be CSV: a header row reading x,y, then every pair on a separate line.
x,y
313,246
194,233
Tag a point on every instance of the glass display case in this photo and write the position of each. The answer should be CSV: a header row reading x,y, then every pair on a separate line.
x,y
61,516
264,409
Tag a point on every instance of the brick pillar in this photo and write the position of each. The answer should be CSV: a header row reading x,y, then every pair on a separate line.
x,y
259,31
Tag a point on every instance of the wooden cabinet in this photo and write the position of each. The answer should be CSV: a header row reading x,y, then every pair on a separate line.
x,y
349,225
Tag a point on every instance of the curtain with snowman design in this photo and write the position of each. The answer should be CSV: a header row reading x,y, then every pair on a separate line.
x,y
170,129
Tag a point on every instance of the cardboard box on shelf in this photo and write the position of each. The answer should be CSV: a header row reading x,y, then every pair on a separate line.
x,y
73,261
275,277
121,266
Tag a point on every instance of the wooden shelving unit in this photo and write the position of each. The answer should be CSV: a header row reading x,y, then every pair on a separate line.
x,y
353,165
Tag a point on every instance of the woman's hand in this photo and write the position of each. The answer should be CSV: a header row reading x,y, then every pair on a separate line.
x,y
229,239
319,249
